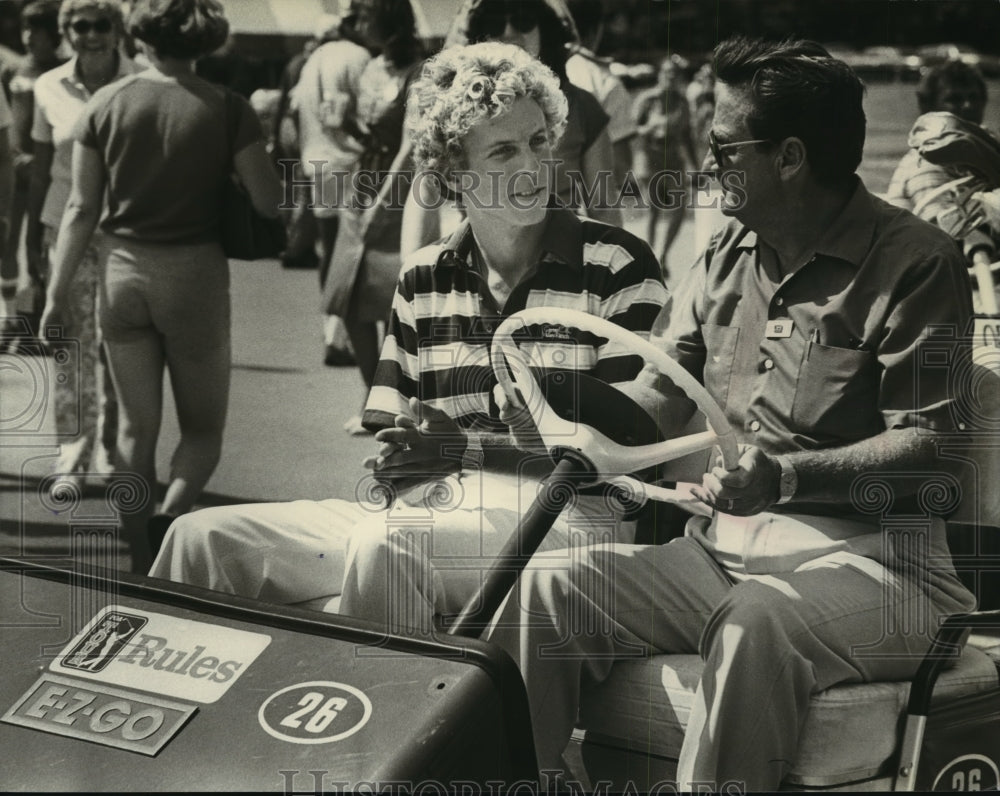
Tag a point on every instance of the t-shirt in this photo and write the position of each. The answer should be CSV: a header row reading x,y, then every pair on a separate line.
x,y
586,120
165,144
338,66
593,74
662,141
5,115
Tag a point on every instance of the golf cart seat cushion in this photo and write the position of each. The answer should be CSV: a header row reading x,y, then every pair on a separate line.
x,y
988,643
851,730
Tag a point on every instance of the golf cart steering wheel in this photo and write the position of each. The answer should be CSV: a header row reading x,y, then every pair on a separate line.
x,y
584,455
609,459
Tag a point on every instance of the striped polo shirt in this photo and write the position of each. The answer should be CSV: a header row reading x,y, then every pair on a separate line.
x,y
437,345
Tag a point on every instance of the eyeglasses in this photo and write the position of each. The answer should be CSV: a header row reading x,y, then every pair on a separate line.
x,y
491,21
84,26
719,150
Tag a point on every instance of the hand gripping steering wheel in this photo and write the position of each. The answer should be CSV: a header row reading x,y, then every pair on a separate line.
x,y
583,450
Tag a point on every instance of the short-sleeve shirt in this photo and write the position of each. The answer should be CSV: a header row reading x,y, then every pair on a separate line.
x,y
167,145
437,345
5,115
585,121
591,73
827,355
60,97
662,143
335,69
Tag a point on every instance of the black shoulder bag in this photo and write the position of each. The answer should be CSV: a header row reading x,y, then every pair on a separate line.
x,y
246,235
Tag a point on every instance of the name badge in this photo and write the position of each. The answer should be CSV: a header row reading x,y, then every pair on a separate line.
x,y
778,329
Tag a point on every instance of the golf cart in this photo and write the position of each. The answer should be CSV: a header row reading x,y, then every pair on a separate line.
x,y
117,682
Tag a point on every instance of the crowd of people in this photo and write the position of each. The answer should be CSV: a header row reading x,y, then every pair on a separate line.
x,y
802,318
127,161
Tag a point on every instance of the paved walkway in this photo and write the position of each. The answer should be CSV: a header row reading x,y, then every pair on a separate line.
x,y
284,438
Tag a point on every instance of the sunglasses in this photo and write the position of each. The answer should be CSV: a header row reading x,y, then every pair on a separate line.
x,y
85,26
491,22
719,150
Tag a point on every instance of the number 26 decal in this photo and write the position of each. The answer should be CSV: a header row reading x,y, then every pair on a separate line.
x,y
315,712
323,713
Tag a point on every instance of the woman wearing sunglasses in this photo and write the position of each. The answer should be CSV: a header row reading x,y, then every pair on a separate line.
x,y
543,28
93,30
160,146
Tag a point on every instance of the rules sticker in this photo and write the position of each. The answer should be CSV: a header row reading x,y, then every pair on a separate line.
x,y
159,653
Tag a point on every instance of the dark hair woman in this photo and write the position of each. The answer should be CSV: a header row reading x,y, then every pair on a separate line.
x,y
365,263
160,146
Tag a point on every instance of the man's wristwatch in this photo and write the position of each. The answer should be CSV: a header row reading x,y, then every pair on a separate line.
x,y
474,454
788,481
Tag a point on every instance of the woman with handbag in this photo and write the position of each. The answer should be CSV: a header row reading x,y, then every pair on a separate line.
x,y
325,97
366,261
161,145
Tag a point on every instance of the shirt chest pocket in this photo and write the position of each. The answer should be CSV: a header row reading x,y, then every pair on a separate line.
x,y
836,394
720,354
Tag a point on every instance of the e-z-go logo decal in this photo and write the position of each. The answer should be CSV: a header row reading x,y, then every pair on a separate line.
x,y
316,712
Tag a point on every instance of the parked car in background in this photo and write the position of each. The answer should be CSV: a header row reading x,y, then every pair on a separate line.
x,y
633,76
933,54
887,62
878,62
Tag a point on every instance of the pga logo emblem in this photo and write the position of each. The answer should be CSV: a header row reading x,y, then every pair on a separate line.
x,y
103,641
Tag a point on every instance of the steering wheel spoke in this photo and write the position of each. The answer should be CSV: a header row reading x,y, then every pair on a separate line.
x,y
609,458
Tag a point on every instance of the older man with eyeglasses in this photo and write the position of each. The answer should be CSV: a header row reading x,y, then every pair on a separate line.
x,y
803,319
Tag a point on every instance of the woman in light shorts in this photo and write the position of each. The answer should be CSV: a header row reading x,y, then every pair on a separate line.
x,y
160,146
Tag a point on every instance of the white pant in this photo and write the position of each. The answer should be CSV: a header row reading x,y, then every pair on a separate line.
x,y
304,551
279,552
413,564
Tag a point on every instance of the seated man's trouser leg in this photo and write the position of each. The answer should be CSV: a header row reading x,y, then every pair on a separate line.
x,y
406,566
769,643
279,552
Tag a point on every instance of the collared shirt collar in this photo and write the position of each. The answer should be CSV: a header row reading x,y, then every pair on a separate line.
x,y
850,235
71,77
562,240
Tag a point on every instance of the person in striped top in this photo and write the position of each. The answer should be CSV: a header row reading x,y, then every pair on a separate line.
x,y
485,118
